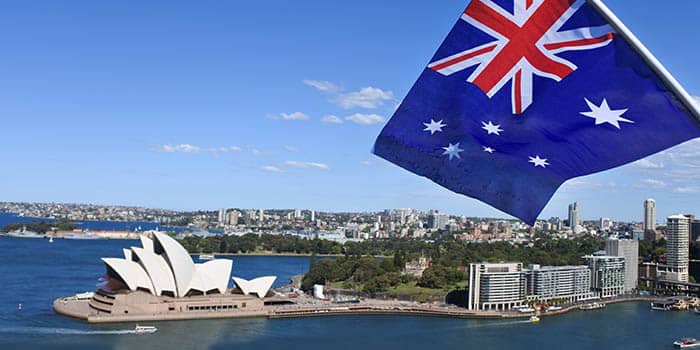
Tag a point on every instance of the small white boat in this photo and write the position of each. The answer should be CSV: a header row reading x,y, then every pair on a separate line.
x,y
686,343
206,257
534,319
145,329
51,239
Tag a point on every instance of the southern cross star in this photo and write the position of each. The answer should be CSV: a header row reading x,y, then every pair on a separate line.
x,y
603,114
492,128
434,126
488,149
537,161
452,150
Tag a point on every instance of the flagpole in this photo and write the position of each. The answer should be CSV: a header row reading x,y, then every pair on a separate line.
x,y
648,57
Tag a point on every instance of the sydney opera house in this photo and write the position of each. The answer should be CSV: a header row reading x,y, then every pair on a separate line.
x,y
160,281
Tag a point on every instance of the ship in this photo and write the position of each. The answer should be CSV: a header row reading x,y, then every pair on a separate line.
x,y
686,343
23,233
593,306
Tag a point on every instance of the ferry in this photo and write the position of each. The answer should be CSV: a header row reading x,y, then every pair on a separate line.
x,y
534,319
145,329
686,343
206,257
593,306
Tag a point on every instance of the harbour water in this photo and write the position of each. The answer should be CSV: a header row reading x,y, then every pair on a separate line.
x,y
34,272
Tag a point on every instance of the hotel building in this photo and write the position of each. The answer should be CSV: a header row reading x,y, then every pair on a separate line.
x,y
607,274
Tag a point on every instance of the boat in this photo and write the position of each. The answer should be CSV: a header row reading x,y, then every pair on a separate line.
x,y
145,329
51,239
85,235
554,308
593,306
525,310
534,319
206,257
686,343
24,233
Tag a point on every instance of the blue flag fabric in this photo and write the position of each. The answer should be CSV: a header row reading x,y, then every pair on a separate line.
x,y
525,94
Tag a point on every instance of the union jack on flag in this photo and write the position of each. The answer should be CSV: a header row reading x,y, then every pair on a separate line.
x,y
523,95
527,43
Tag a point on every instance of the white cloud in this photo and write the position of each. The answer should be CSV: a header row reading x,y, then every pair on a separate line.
x,y
687,189
647,164
271,169
256,152
322,85
290,148
188,148
331,119
306,165
365,119
651,183
367,97
288,116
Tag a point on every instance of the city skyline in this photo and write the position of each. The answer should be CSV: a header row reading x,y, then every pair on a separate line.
x,y
173,113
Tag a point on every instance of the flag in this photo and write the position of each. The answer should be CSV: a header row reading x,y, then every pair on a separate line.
x,y
523,95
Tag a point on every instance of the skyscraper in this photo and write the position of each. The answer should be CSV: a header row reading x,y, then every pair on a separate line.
x,y
573,215
261,215
650,216
313,215
677,250
629,249
222,216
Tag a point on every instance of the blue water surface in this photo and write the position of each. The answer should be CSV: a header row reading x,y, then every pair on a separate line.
x,y
34,272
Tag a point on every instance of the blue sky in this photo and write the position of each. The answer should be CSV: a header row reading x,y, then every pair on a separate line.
x,y
271,104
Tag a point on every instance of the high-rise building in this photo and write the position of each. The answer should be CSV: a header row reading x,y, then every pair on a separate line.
x,y
233,217
222,215
607,274
496,286
297,213
573,216
691,219
694,230
261,215
437,220
569,283
649,216
628,249
313,215
677,250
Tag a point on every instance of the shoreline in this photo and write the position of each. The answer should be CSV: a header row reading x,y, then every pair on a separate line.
x,y
79,309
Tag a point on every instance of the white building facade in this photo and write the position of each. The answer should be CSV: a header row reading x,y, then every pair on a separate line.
x,y
607,275
628,249
561,283
496,286
677,250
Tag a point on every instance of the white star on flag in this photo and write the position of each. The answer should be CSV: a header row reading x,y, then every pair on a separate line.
x,y
488,149
537,161
492,128
434,126
452,150
603,114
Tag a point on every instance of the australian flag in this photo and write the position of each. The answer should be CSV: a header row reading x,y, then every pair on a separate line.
x,y
525,94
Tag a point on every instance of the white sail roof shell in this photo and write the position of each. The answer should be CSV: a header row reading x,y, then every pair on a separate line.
x,y
146,243
212,275
179,261
259,286
132,273
157,269
127,254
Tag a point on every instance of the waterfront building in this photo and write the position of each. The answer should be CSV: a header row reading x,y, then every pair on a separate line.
x,y
496,286
675,269
628,249
607,274
573,216
649,218
564,283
